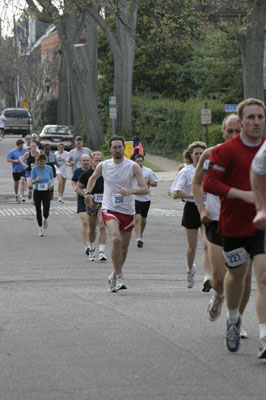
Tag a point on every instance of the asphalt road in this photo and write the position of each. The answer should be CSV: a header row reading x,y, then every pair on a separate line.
x,y
64,336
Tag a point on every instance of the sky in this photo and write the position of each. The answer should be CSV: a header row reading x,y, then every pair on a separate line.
x,y
8,9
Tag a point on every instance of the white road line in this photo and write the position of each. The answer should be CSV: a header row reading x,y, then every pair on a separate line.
x,y
72,210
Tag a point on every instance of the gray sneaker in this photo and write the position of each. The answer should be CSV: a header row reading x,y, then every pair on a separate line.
x,y
45,223
233,335
262,348
120,283
215,306
112,283
190,277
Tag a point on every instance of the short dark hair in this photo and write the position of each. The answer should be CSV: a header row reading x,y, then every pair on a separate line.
x,y
46,145
113,138
19,141
139,156
40,157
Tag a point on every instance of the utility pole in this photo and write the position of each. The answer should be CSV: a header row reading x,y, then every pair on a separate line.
x,y
16,55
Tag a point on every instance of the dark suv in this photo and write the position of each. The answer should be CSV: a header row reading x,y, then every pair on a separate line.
x,y
17,121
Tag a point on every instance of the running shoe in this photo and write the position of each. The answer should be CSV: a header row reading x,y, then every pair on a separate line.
x,y
30,194
206,286
40,231
190,277
45,223
87,251
17,198
243,334
233,335
139,243
262,348
21,199
112,282
102,256
60,199
120,282
215,306
51,205
92,255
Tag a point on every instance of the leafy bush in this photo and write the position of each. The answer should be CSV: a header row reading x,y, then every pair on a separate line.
x,y
167,127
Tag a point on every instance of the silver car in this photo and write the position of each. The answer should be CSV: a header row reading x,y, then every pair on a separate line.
x,y
54,134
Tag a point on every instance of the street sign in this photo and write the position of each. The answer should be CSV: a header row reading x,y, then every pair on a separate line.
x,y
112,113
206,116
112,107
231,107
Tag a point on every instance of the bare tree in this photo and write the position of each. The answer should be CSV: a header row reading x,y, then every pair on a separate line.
x,y
81,63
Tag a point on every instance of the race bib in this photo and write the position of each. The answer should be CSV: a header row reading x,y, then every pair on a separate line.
x,y
98,198
118,199
236,257
42,186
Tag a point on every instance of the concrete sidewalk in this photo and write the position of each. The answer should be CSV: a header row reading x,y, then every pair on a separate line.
x,y
168,167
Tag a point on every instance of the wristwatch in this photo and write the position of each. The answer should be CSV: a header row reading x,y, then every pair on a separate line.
x,y
86,194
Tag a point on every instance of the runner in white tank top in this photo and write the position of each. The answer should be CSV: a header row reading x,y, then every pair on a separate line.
x,y
118,203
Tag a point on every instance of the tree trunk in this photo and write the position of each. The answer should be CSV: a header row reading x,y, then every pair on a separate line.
x,y
252,49
123,49
82,64
123,65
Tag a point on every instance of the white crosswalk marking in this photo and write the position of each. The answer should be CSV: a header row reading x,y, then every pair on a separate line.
x,y
71,210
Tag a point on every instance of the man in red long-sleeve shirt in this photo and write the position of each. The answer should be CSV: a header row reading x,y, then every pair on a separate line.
x,y
228,177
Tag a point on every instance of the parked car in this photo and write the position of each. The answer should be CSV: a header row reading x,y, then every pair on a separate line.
x,y
17,121
54,134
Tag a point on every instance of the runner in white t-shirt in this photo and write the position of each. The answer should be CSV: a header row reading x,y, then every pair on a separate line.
x,y
118,206
2,125
61,170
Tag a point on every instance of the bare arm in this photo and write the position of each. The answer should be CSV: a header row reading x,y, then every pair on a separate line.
x,y
91,183
258,184
79,189
142,185
197,190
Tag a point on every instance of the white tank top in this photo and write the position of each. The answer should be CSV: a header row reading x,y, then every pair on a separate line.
x,y
213,204
118,176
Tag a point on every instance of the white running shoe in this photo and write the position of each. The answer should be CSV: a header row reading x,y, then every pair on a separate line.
x,y
190,277
60,199
92,255
112,282
102,256
120,282
215,306
262,348
17,198
45,223
243,333
51,205
40,231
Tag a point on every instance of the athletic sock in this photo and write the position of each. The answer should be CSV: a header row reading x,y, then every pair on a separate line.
x,y
92,246
262,330
102,247
233,315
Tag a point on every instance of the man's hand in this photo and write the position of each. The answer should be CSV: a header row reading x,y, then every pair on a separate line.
x,y
205,216
260,219
125,192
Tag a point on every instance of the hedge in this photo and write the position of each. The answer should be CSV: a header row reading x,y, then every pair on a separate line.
x,y
166,126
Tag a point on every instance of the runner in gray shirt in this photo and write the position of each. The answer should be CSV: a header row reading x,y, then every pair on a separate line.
x,y
73,158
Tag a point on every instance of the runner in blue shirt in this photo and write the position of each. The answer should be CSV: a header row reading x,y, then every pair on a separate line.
x,y
43,180
18,170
